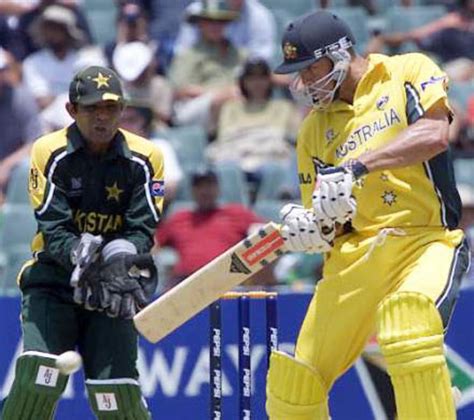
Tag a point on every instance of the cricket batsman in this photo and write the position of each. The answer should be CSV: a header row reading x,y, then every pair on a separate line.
x,y
380,200
97,194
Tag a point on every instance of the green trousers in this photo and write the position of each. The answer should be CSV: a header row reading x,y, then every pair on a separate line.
x,y
53,323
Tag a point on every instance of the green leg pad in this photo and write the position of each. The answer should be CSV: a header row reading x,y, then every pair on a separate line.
x,y
117,399
36,389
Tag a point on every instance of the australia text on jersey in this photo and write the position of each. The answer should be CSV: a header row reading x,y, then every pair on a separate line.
x,y
365,132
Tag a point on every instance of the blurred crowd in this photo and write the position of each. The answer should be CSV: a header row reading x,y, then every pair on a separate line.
x,y
198,80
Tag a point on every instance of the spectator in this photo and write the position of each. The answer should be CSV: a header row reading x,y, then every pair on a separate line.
x,y
20,41
220,226
248,131
48,71
367,4
135,63
18,118
450,38
253,31
165,20
138,118
132,25
204,75
55,115
10,11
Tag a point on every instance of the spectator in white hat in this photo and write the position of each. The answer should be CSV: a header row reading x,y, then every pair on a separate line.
x,y
47,72
19,15
132,25
135,63
55,115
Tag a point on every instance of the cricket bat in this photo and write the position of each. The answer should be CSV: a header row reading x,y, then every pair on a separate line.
x,y
209,283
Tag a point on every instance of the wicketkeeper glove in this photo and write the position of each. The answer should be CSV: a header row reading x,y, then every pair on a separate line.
x,y
85,278
130,281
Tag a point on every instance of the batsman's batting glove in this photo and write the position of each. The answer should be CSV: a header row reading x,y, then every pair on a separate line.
x,y
302,232
332,198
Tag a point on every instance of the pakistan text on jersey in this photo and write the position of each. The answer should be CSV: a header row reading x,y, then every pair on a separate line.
x,y
367,131
94,222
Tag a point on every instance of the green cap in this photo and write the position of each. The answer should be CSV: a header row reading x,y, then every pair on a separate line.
x,y
95,84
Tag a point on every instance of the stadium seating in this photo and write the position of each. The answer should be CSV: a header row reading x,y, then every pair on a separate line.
x,y
282,18
464,171
383,5
102,18
189,143
403,19
98,5
292,7
273,178
18,225
461,92
17,192
269,209
232,183
357,17
17,230
14,260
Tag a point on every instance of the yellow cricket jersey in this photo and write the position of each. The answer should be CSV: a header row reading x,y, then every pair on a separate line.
x,y
392,94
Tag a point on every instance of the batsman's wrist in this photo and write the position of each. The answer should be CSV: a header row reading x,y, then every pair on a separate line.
x,y
357,168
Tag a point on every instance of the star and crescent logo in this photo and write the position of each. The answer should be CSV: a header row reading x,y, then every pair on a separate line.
x,y
101,80
113,192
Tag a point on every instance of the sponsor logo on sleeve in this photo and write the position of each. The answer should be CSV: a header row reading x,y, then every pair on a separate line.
x,y
157,188
432,80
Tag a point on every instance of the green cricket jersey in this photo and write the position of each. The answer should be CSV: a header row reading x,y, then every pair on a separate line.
x,y
116,195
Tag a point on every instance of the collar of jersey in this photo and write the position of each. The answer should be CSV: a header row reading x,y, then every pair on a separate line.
x,y
76,142
378,66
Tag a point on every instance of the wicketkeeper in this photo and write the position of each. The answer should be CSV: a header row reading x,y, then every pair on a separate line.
x,y
380,200
97,195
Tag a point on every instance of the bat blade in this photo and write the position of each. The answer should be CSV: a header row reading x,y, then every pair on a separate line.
x,y
209,283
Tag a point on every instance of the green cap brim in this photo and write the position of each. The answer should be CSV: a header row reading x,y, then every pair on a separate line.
x,y
96,97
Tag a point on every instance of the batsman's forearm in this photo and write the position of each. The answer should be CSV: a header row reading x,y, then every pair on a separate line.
x,y
416,144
